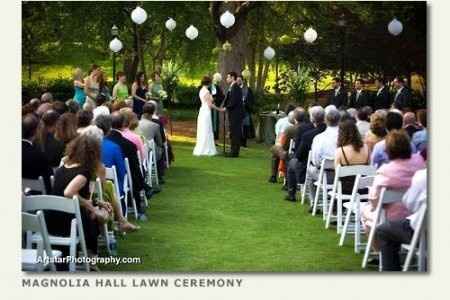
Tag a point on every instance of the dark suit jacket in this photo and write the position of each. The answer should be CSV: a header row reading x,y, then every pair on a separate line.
x,y
302,129
234,103
53,150
363,99
382,100
403,100
338,100
129,150
35,164
305,145
161,129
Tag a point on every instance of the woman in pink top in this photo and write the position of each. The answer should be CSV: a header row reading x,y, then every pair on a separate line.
x,y
396,174
131,123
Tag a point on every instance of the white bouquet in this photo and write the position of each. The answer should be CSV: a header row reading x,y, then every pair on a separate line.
x,y
163,94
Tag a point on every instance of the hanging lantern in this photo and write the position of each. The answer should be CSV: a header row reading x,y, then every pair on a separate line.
x,y
269,53
191,32
171,24
395,27
115,45
310,35
138,15
226,46
227,19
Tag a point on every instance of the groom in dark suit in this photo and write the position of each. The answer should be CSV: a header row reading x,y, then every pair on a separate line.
x,y
234,106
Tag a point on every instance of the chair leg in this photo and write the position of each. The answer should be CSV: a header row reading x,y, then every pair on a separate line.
x,y
368,246
357,231
330,210
316,199
324,201
72,251
344,230
107,241
339,213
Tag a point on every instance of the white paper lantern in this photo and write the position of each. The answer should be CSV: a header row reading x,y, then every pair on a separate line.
x,y
191,32
395,27
171,24
269,53
310,35
138,15
115,45
227,19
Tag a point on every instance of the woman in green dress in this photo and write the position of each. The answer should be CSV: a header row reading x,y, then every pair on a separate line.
x,y
155,88
120,90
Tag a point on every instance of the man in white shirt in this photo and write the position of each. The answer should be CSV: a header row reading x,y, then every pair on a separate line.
x,y
283,123
392,234
324,144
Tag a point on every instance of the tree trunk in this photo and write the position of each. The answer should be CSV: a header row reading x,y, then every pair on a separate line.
x,y
252,67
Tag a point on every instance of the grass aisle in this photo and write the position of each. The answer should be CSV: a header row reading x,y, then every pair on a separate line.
x,y
219,214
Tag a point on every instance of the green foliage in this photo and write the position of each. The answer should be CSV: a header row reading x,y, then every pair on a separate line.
x,y
61,89
295,83
170,79
186,96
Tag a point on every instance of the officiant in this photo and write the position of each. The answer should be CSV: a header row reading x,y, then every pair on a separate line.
x,y
218,97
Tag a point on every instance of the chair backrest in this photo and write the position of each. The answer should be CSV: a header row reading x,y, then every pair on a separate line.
x,y
111,174
129,179
364,170
96,187
37,185
309,158
388,195
49,202
291,146
36,223
362,182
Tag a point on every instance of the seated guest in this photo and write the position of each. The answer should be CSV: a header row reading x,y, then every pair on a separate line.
x,y
377,130
394,121
101,108
129,119
283,123
84,119
34,162
359,97
420,137
382,98
129,150
297,165
66,128
45,104
73,107
350,151
324,144
34,104
409,124
159,120
149,129
52,148
111,155
353,112
72,179
362,121
392,234
396,173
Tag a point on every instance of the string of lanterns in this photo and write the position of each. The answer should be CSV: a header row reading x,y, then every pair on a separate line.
x,y
227,20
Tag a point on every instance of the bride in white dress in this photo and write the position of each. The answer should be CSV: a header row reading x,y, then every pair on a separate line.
x,y
205,137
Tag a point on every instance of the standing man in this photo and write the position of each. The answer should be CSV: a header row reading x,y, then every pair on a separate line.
x,y
235,110
402,99
382,98
248,130
338,96
359,97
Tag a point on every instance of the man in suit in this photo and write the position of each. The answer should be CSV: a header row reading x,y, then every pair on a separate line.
x,y
34,162
338,96
235,108
129,150
402,98
382,98
297,165
359,97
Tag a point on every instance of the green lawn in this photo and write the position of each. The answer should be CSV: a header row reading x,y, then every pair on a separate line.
x,y
220,215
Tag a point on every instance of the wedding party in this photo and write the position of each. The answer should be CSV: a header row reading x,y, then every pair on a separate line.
x,y
224,136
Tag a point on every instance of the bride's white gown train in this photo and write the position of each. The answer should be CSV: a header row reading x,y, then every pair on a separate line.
x,y
205,137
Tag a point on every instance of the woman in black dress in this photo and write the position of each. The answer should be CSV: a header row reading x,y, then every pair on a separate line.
x,y
139,92
72,179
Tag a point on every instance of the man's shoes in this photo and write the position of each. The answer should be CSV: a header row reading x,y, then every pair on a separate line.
x,y
231,155
290,198
273,179
161,180
142,218
373,261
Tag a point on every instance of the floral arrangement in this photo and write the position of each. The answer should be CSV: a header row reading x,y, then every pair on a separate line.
x,y
163,94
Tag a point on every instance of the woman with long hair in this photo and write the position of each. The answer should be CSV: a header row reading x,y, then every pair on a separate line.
x,y
139,92
52,148
377,130
91,84
66,128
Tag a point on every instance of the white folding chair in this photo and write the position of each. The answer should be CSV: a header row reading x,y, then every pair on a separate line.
x,y
111,174
307,179
419,237
291,146
336,193
322,187
96,187
166,153
41,258
37,185
353,209
386,196
152,168
128,189
141,167
67,205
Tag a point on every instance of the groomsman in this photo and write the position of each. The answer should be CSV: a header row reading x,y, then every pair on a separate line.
x,y
382,98
402,99
359,97
338,96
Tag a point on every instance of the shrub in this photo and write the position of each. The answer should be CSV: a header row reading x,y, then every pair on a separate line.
x,y
61,89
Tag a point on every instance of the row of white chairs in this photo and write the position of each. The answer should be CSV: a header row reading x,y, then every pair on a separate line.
x,y
330,198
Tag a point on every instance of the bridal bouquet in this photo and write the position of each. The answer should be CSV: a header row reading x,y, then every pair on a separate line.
x,y
163,94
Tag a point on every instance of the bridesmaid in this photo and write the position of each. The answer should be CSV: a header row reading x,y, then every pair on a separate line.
x,y
78,84
120,90
139,92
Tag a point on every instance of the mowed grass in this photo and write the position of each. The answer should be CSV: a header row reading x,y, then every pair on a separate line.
x,y
219,214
